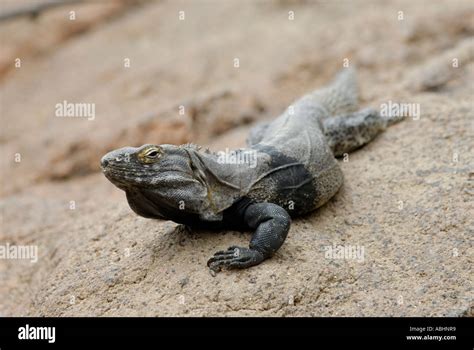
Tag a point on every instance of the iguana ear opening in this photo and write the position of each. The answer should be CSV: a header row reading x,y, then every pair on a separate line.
x,y
221,194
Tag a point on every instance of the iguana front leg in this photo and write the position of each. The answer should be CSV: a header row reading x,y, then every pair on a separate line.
x,y
271,223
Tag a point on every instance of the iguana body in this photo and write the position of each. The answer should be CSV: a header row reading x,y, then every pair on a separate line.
x,y
293,171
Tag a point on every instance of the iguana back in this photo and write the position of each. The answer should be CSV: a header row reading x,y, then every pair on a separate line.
x,y
303,173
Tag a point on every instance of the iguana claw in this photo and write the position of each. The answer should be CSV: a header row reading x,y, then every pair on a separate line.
x,y
234,258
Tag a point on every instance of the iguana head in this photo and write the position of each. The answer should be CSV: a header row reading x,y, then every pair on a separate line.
x,y
146,166
170,177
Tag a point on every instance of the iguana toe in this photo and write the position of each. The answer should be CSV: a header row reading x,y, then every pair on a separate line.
x,y
234,258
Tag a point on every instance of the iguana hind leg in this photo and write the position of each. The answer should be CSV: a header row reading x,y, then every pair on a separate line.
x,y
271,223
346,133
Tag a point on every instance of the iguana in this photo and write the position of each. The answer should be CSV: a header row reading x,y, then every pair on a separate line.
x,y
293,170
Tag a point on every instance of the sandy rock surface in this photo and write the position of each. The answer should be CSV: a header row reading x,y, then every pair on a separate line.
x,y
407,198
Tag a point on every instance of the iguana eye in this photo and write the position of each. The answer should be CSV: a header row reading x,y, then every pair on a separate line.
x,y
149,155
152,154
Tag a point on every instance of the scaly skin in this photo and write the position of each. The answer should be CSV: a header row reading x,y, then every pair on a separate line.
x,y
293,171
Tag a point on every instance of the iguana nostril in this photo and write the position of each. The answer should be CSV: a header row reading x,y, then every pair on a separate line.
x,y
104,162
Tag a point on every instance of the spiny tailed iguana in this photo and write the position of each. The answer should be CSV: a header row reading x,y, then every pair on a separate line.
x,y
293,170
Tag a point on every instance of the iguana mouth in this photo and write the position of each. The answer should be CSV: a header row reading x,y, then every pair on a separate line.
x,y
117,181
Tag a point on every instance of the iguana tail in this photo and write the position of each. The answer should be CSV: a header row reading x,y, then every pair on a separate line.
x,y
341,96
390,120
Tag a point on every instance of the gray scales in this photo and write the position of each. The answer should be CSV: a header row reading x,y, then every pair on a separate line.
x,y
293,171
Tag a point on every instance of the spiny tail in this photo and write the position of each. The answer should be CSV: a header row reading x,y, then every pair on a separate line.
x,y
341,96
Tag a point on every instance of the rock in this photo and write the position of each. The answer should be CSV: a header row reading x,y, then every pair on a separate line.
x,y
184,281
97,258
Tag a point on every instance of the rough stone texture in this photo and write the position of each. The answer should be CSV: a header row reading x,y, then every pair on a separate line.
x,y
407,198
54,26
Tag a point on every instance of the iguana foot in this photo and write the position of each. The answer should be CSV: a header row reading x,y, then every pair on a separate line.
x,y
235,258
346,133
